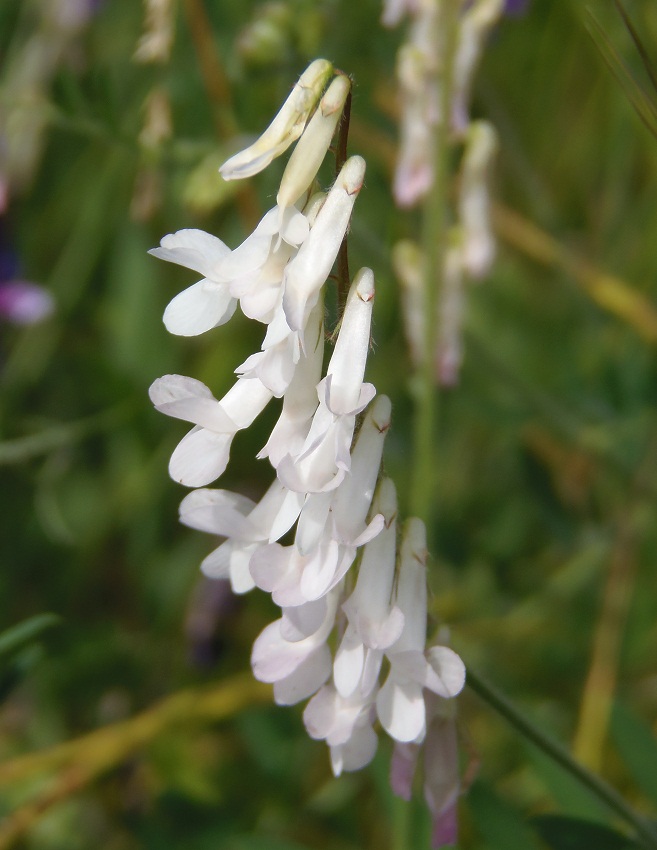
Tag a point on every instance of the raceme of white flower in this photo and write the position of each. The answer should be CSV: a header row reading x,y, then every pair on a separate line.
x,y
471,244
325,450
420,64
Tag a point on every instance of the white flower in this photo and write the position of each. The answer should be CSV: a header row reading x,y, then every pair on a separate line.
x,y
331,526
400,702
297,668
300,399
307,273
286,127
476,23
441,769
254,271
394,11
311,148
206,304
474,199
248,526
202,455
374,623
346,726
324,459
451,306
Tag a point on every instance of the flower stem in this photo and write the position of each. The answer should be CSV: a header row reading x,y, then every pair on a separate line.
x,y
646,832
435,224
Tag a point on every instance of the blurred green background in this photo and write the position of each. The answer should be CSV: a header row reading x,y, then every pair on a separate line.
x,y
544,538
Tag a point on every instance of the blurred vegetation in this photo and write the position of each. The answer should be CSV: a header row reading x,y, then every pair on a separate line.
x,y
544,540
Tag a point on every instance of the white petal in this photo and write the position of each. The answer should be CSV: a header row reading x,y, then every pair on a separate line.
x,y
269,565
319,570
304,620
382,634
198,309
347,364
227,562
348,664
309,153
216,511
217,563
274,368
200,457
308,677
313,520
347,557
194,249
354,498
279,571
317,471
246,258
373,528
260,302
360,749
371,670
245,400
446,674
400,707
171,388
189,399
308,271
273,658
240,576
294,226
286,127
319,714
287,515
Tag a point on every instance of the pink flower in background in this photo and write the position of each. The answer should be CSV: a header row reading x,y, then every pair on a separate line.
x,y
24,303
515,8
21,301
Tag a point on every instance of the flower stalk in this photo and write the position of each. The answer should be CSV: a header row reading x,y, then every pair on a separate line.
x,y
339,582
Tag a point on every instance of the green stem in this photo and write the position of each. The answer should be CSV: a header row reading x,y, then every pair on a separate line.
x,y
435,225
401,824
645,831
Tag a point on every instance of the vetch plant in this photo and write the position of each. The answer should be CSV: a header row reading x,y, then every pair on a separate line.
x,y
352,631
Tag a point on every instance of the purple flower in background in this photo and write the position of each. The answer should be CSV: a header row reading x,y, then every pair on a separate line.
x,y
515,8
24,303
21,302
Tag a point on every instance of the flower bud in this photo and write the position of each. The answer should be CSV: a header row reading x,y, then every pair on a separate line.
x,y
474,200
286,127
311,149
308,271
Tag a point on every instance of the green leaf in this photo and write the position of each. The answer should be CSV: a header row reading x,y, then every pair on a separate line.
x,y
257,842
564,833
637,747
566,790
643,103
19,668
14,638
502,826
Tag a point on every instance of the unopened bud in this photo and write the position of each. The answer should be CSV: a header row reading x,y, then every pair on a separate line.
x,y
474,199
306,274
408,265
314,143
286,127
